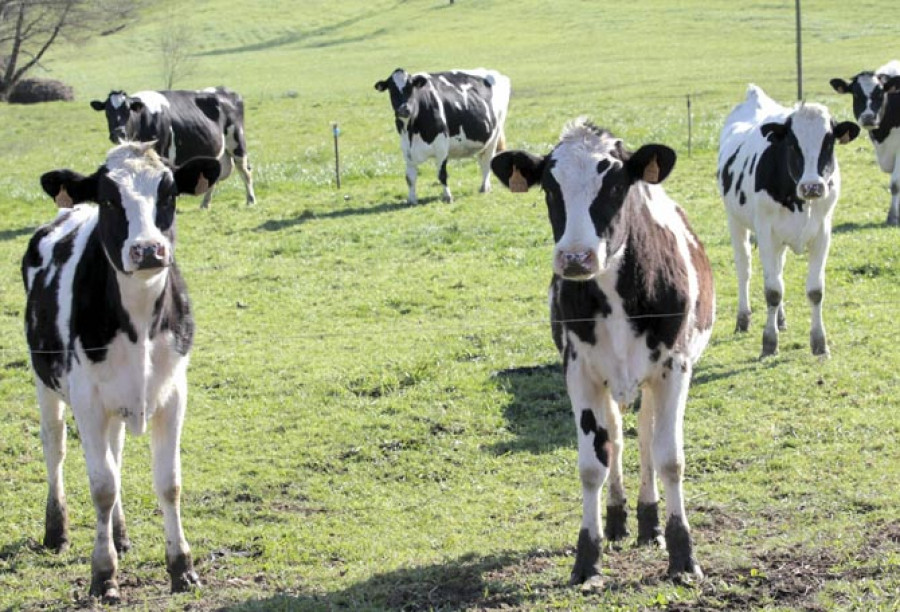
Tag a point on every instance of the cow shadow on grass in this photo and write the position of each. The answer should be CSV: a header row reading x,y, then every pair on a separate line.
x,y
472,581
845,228
538,412
275,225
12,234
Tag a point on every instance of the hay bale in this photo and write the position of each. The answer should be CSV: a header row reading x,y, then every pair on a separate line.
x,y
31,91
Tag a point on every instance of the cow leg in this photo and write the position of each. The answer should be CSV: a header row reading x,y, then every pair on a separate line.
x,y
484,161
243,166
893,217
668,455
120,534
94,429
412,173
593,467
616,515
648,496
165,439
442,177
815,290
772,256
53,439
740,244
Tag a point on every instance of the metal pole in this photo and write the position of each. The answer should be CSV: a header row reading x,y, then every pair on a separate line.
x,y
799,55
690,125
337,154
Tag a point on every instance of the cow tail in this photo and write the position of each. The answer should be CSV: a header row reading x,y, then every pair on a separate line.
x,y
501,141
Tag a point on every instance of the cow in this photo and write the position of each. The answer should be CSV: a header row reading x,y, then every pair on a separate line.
x,y
779,178
109,326
447,115
184,124
632,306
876,104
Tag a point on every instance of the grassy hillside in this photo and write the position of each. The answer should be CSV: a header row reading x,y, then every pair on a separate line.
x,y
377,419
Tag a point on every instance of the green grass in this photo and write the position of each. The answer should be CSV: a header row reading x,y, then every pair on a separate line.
x,y
377,419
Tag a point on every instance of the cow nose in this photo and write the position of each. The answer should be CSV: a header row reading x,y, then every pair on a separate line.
x,y
867,121
577,264
148,255
402,112
812,190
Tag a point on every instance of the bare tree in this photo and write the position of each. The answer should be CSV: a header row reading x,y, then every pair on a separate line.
x,y
176,48
28,28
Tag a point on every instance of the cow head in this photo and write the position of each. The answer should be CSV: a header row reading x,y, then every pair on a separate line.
x,y
870,96
136,193
117,107
806,139
402,86
587,180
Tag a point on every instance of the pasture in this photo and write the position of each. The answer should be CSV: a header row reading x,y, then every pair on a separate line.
x,y
376,416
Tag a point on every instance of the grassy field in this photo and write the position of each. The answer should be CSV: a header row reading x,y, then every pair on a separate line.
x,y
377,417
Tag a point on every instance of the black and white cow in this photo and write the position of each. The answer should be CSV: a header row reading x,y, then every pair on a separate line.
x,y
109,326
780,179
447,115
632,306
876,104
184,124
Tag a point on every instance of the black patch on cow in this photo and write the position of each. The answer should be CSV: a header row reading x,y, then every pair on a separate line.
x,y
649,530
678,543
726,176
742,198
577,304
615,527
773,175
652,279
601,436
587,558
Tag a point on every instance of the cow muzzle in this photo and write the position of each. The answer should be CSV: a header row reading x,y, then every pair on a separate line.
x,y
868,121
576,265
402,112
117,136
149,255
812,190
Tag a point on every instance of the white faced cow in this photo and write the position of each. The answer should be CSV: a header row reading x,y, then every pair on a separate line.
x,y
779,178
184,125
109,326
876,104
632,307
448,115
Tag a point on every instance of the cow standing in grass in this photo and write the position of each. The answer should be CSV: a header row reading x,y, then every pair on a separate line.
x,y
184,125
632,308
876,104
447,115
780,179
109,327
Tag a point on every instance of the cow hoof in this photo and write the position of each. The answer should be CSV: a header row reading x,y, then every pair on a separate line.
x,y
105,589
769,346
591,585
782,322
686,572
56,544
893,221
820,348
122,546
447,199
187,581
587,559
743,322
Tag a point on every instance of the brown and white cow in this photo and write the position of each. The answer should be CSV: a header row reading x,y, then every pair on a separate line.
x,y
109,327
632,307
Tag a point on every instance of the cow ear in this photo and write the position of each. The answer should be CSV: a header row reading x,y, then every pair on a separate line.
x,y
651,163
136,106
97,105
419,81
518,170
840,85
197,175
892,85
845,131
778,130
381,85
68,188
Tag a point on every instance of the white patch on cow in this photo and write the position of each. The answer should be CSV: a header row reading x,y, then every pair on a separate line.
x,y
152,100
892,68
575,170
116,100
137,172
400,79
810,123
